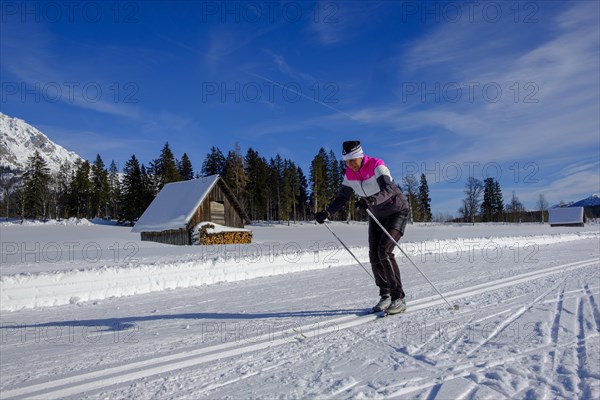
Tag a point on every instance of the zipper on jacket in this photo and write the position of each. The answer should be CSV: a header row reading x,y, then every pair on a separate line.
x,y
361,181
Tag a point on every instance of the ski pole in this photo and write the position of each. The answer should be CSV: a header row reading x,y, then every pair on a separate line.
x,y
455,306
351,253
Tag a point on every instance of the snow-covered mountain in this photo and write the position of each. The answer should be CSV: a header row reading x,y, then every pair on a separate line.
x,y
19,140
593,200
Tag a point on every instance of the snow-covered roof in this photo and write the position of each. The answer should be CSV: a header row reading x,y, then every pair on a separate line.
x,y
565,215
175,205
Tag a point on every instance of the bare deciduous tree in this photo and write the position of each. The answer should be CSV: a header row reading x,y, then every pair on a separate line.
x,y
542,205
472,200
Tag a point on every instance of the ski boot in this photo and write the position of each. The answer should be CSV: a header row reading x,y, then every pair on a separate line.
x,y
397,306
383,304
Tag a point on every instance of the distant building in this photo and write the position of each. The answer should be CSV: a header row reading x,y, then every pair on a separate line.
x,y
565,216
181,206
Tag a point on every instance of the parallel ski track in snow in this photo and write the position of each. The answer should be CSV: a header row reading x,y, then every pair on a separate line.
x,y
120,374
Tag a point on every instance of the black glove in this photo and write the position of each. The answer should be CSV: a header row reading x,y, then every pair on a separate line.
x,y
361,205
320,217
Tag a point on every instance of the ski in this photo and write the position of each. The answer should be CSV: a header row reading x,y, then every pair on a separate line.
x,y
385,314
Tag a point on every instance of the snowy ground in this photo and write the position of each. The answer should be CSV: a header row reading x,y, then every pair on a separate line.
x,y
240,324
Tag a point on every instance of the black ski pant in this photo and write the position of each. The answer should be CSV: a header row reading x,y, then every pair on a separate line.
x,y
381,255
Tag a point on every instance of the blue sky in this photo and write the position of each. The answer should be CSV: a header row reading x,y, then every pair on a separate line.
x,y
509,90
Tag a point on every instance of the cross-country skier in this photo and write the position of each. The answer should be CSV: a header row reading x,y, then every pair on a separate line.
x,y
371,180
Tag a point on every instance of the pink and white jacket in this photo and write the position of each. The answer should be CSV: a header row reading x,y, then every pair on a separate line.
x,y
374,183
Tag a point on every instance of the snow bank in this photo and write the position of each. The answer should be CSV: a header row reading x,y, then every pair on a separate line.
x,y
67,222
489,244
58,288
229,264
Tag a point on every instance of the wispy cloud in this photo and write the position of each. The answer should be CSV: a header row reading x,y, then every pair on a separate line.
x,y
549,99
223,42
569,186
178,43
33,64
581,166
288,70
167,123
89,143
337,22
296,93
547,110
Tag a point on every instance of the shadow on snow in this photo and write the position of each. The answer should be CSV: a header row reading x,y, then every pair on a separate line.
x,y
124,323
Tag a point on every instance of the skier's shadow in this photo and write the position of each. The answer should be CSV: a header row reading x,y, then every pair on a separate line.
x,y
125,323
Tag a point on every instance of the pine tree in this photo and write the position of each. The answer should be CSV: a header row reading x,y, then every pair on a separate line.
x,y
19,200
62,183
80,190
8,184
114,191
302,195
150,184
275,179
492,207
214,163
318,179
234,174
256,169
424,201
487,211
100,189
151,179
131,204
166,167
36,187
185,168
498,203
287,190
293,194
334,176
334,181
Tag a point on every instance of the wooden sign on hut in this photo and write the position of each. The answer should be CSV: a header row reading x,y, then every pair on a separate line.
x,y
181,211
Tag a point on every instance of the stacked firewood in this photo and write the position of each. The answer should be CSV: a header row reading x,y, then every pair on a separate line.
x,y
227,237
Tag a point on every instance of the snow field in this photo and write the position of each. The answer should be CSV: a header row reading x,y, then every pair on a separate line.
x,y
528,327
87,281
450,355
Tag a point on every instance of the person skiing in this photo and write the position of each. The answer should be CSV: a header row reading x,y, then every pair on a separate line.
x,y
371,180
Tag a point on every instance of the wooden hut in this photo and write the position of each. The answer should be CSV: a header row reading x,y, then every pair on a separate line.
x,y
179,207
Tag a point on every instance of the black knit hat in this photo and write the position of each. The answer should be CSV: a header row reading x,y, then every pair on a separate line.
x,y
351,149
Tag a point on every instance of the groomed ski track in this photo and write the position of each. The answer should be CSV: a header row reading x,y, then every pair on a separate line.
x,y
118,375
